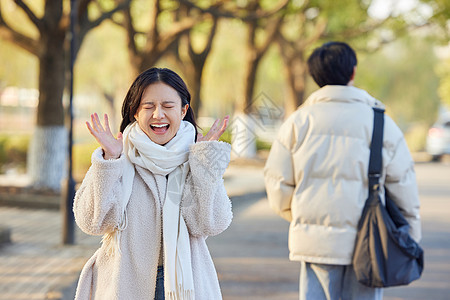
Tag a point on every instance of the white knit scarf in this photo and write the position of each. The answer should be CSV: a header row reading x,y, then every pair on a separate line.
x,y
170,159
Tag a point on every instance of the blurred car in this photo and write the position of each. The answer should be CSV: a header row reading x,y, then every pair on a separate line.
x,y
438,138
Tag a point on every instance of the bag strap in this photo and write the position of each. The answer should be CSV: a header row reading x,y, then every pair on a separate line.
x,y
375,162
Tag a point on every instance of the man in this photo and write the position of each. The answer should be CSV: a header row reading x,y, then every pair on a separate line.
x,y
316,176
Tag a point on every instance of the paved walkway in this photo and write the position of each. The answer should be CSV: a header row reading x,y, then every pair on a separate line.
x,y
250,257
36,266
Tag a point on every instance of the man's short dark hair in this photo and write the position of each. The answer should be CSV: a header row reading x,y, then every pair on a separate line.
x,y
332,64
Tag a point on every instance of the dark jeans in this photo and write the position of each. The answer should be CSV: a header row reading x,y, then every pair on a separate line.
x,y
159,292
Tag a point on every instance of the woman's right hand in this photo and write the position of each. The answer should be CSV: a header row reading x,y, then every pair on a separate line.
x,y
112,147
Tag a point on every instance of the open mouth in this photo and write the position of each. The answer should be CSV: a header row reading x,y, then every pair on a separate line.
x,y
159,128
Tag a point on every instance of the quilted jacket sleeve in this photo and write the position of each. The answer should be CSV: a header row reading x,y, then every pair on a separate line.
x,y
401,178
96,203
279,175
205,205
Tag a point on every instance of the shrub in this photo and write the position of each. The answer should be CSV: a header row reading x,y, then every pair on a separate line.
x,y
82,158
13,151
260,144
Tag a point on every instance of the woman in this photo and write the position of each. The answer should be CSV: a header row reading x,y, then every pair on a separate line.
x,y
155,193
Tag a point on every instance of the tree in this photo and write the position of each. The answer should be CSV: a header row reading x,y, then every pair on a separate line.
x,y
440,14
439,19
191,57
406,85
173,33
300,30
315,22
261,33
102,73
48,146
148,45
263,20
443,71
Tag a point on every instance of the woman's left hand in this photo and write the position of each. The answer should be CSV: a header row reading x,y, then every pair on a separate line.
x,y
215,132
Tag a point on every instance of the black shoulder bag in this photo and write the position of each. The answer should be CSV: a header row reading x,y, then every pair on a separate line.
x,y
385,254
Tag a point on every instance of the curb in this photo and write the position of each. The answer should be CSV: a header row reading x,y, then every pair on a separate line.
x,y
28,197
30,200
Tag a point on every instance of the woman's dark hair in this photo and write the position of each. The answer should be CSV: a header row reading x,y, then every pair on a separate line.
x,y
133,98
332,64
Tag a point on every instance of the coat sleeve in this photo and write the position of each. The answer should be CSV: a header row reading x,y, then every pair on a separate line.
x,y
205,205
96,204
400,179
279,172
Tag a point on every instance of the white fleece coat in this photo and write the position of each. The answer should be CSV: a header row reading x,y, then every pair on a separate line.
x,y
205,208
316,173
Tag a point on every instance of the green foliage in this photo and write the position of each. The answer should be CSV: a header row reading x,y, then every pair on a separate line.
x,y
402,77
13,151
440,17
262,145
342,15
226,136
443,71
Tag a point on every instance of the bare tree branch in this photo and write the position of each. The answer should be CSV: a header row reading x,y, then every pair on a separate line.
x,y
243,15
153,33
82,11
108,14
33,18
354,32
204,53
131,32
167,40
272,32
9,34
302,44
122,24
401,32
83,7
21,40
85,25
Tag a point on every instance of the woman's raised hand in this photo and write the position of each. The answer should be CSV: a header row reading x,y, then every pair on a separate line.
x,y
111,146
214,132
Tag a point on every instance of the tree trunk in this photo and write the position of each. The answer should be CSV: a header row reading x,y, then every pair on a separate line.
x,y
249,83
243,141
296,79
48,149
46,157
195,86
51,82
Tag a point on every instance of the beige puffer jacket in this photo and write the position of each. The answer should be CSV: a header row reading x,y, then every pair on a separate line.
x,y
316,173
